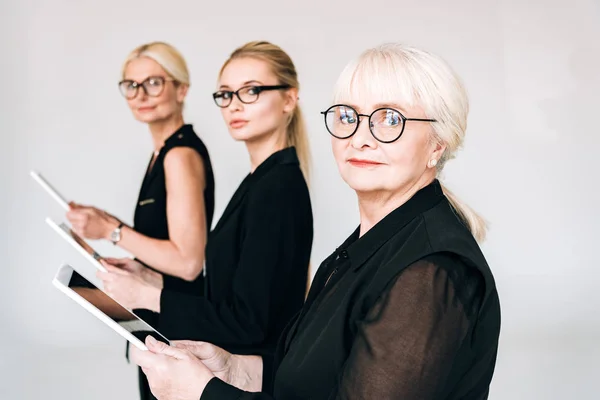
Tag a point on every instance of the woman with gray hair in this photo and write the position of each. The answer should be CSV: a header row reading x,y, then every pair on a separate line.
x,y
406,307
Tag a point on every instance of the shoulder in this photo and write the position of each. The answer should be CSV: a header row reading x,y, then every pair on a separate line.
x,y
181,159
281,181
186,137
444,275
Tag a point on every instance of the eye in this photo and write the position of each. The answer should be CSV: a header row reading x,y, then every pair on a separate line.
x,y
223,95
154,81
391,118
347,115
252,90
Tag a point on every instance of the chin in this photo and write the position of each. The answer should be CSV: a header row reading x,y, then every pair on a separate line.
x,y
362,181
147,118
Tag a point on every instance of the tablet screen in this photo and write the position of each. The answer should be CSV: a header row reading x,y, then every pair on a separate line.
x,y
127,319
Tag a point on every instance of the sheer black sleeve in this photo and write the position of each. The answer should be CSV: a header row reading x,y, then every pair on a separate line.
x,y
408,342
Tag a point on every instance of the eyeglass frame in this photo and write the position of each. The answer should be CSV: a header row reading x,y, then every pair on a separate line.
x,y
259,88
164,80
358,115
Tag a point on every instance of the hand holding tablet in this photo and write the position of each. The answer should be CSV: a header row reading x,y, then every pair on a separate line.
x,y
128,325
78,243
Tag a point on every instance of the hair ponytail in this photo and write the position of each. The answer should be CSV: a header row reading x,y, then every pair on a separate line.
x,y
298,137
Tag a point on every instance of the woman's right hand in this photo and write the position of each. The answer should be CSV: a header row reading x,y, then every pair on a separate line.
x,y
243,372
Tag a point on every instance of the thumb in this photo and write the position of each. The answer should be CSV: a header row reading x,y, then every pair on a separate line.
x,y
201,350
162,348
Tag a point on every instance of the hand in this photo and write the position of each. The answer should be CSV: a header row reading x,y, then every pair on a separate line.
x,y
136,268
174,374
90,222
128,288
243,372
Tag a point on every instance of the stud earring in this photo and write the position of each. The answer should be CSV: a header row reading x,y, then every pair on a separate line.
x,y
432,163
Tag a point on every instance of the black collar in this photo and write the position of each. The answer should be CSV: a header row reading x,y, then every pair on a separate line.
x,y
360,249
285,156
281,157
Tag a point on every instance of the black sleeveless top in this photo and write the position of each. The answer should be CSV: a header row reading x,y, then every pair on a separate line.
x,y
150,217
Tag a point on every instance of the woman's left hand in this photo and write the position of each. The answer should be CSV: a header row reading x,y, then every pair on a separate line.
x,y
172,373
90,222
133,286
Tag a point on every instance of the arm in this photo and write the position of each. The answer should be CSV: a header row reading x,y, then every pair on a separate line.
x,y
183,254
269,248
407,345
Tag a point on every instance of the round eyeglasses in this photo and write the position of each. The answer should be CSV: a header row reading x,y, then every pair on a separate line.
x,y
246,94
386,124
153,86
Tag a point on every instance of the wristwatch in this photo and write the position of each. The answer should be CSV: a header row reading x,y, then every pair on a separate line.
x,y
115,235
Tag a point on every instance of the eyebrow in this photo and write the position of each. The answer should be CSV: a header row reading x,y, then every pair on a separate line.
x,y
395,106
243,84
390,105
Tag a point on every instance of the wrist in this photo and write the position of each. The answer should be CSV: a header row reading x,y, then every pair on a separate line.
x,y
110,225
247,371
152,297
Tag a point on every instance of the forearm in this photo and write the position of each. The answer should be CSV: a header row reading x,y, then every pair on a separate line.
x,y
163,255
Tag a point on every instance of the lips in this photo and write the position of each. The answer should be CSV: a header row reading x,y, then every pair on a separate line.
x,y
363,163
145,109
237,123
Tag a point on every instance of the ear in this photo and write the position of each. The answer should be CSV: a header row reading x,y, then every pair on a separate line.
x,y
182,90
436,153
291,99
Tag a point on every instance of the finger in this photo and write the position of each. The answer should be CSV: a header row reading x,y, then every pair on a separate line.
x,y
162,348
144,359
201,350
117,262
103,276
114,270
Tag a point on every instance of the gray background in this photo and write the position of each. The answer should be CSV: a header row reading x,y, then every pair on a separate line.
x,y
532,71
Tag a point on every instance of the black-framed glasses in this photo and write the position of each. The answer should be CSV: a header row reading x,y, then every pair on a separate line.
x,y
153,86
386,124
246,94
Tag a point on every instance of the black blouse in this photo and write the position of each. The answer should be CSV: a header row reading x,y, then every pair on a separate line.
x,y
257,261
408,311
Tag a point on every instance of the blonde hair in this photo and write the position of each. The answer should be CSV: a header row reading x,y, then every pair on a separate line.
x,y
167,56
397,73
283,68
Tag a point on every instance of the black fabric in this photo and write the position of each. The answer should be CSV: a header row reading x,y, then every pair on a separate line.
x,y
257,260
408,311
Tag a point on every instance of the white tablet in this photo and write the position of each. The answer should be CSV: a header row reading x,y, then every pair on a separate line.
x,y
131,327
77,242
50,190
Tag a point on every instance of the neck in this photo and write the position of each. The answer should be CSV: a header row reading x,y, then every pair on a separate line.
x,y
262,148
374,206
161,130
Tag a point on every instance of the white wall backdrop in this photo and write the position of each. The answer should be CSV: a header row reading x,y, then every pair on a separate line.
x,y
532,70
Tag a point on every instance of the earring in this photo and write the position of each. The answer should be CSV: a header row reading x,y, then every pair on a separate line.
x,y
432,163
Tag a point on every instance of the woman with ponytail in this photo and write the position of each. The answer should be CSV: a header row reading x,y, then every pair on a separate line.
x,y
257,256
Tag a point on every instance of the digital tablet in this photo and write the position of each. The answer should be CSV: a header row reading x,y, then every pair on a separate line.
x,y
50,190
77,242
128,325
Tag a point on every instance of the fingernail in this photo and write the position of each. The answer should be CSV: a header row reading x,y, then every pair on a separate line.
x,y
151,340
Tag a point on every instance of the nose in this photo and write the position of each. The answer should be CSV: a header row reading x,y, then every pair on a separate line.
x,y
363,137
236,104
